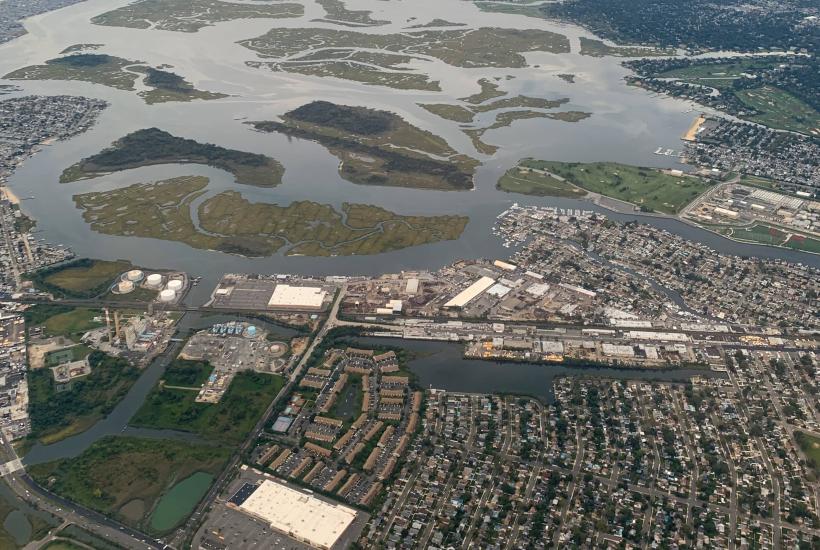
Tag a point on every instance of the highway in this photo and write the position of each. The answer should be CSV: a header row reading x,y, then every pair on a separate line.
x,y
188,531
27,489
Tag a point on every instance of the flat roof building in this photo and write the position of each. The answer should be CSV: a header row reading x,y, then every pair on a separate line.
x,y
299,514
471,292
297,297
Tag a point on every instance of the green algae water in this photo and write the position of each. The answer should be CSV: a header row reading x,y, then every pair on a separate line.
x,y
179,501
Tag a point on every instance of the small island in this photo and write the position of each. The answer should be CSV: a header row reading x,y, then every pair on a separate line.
x,y
191,15
378,147
168,86
96,68
154,146
114,72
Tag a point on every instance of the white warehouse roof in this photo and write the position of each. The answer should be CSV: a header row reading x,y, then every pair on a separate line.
x,y
297,296
471,292
298,514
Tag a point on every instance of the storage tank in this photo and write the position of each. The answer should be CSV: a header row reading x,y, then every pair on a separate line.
x,y
167,295
124,287
175,285
154,280
135,275
250,332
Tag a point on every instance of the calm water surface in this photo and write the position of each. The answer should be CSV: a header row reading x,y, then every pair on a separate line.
x,y
627,125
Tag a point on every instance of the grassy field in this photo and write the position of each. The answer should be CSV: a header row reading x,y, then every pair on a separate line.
x,y
116,471
59,413
717,75
757,181
521,179
62,320
81,278
766,234
760,233
649,188
807,244
811,446
191,15
80,351
779,109
161,210
226,422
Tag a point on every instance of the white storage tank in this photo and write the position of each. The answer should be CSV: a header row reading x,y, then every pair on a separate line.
x,y
154,280
167,295
124,287
175,285
135,275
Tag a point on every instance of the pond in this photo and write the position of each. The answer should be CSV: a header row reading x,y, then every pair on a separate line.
x,y
180,501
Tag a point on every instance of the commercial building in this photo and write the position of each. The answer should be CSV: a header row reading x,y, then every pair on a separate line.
x,y
298,514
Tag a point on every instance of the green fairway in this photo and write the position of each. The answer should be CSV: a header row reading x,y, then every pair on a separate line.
x,y
649,188
523,179
718,75
780,109
228,421
124,477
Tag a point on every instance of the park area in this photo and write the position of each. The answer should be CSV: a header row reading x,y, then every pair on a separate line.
x,y
651,189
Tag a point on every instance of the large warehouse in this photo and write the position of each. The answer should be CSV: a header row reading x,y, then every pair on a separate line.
x,y
297,297
298,514
470,293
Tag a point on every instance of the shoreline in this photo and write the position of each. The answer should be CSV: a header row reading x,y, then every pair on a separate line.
x,y
9,194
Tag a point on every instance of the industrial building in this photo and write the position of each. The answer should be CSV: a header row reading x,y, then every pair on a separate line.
x,y
470,293
241,292
297,297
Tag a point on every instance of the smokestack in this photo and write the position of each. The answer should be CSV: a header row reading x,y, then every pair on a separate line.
x,y
117,324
